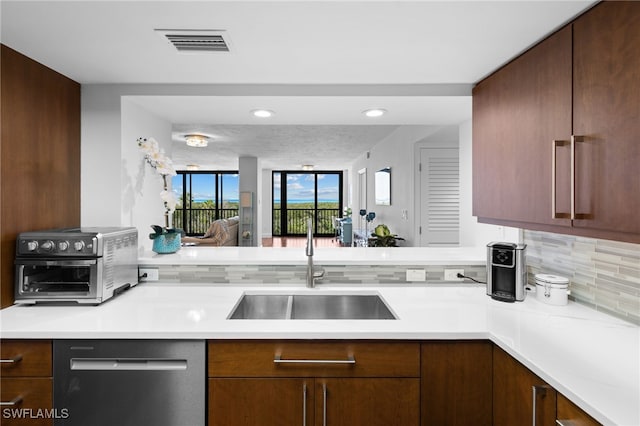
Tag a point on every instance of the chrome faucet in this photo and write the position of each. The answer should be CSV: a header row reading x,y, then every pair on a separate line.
x,y
312,274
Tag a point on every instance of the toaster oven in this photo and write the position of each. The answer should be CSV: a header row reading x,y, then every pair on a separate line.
x,y
75,265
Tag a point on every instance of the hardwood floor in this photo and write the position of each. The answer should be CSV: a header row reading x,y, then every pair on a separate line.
x,y
299,242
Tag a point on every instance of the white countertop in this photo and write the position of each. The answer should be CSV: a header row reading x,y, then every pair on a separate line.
x,y
590,357
322,256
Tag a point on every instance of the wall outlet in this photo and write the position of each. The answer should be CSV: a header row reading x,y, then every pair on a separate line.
x,y
416,275
452,274
152,274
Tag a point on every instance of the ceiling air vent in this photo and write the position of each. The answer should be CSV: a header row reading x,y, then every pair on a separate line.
x,y
197,41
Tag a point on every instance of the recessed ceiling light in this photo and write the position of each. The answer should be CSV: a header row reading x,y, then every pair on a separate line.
x,y
193,167
262,113
374,112
307,167
195,140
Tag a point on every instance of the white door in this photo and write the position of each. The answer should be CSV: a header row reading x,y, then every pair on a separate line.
x,y
439,197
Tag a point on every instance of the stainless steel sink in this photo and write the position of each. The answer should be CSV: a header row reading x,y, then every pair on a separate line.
x,y
261,306
312,306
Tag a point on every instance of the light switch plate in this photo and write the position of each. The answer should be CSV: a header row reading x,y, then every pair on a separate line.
x,y
416,275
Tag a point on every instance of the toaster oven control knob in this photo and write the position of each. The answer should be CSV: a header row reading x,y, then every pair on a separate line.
x,y
47,245
32,245
63,245
78,245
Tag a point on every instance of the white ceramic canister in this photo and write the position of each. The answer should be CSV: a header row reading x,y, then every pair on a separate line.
x,y
552,289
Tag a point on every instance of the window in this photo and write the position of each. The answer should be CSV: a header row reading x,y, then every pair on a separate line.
x,y
204,197
298,196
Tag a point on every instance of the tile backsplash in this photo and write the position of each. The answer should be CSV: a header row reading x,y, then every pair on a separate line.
x,y
603,274
295,274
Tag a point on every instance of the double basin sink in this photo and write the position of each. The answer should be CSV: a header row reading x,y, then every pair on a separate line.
x,y
312,306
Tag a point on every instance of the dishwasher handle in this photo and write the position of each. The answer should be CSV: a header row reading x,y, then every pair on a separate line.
x,y
127,364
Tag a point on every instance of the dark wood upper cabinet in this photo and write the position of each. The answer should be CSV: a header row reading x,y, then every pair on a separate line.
x,y
517,113
40,155
606,113
579,87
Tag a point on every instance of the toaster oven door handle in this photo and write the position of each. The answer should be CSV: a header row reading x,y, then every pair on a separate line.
x,y
56,262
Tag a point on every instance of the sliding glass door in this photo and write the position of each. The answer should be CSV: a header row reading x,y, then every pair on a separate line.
x,y
299,196
202,198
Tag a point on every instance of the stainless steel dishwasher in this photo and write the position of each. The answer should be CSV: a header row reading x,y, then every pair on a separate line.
x,y
129,382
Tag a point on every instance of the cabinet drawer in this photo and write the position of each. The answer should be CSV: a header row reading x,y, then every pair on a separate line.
x,y
32,398
313,359
569,414
25,358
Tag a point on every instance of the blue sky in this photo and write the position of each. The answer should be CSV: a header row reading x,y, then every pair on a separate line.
x,y
203,186
301,186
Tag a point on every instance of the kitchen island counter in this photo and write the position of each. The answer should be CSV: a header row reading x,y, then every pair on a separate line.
x,y
590,357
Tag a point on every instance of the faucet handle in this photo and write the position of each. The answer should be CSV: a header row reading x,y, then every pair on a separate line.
x,y
318,273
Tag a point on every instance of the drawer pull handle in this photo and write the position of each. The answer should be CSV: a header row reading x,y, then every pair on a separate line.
x,y
16,359
278,360
324,404
15,401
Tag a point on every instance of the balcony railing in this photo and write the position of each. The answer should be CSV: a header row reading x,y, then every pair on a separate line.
x,y
297,221
197,221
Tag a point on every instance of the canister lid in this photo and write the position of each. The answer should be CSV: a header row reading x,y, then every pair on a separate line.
x,y
551,279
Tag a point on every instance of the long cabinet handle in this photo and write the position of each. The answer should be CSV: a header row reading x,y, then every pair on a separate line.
x,y
15,401
574,214
16,359
554,169
324,404
304,404
278,360
537,391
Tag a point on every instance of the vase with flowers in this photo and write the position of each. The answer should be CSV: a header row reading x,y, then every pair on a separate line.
x,y
165,238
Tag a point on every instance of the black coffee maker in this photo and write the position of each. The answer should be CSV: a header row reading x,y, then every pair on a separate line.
x,y
506,271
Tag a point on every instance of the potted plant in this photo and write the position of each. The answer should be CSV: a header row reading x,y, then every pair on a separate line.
x,y
382,237
165,239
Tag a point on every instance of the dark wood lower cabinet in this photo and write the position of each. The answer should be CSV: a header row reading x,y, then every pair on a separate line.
x,y
314,382
33,401
569,414
456,383
325,401
367,402
260,402
519,396
26,382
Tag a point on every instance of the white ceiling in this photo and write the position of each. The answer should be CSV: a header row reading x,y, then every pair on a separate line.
x,y
394,48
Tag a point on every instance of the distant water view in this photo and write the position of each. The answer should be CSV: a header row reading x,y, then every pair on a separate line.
x,y
303,201
277,201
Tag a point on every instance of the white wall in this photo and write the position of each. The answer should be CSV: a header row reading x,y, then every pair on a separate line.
x,y
101,157
395,151
398,152
251,181
473,233
116,190
266,206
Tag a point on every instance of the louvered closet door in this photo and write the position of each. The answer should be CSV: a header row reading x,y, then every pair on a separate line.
x,y
439,197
